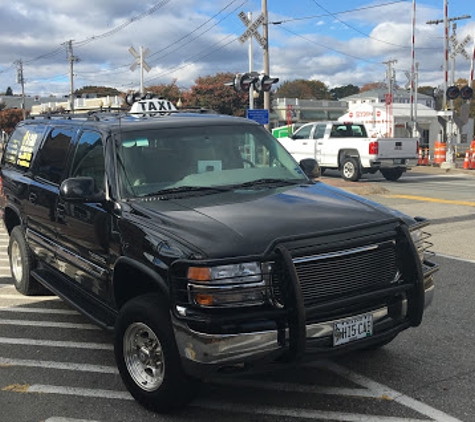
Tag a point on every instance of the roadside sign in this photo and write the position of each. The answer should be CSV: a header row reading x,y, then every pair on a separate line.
x,y
260,116
251,30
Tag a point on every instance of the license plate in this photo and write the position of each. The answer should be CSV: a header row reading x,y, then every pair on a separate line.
x,y
397,161
353,328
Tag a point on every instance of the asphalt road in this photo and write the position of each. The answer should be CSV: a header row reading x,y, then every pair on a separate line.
x,y
56,366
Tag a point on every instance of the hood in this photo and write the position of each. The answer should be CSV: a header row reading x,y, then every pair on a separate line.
x,y
246,222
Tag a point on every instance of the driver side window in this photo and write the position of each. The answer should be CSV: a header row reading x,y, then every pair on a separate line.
x,y
303,132
89,159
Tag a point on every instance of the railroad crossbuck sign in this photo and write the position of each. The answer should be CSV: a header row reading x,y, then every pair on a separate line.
x,y
251,30
139,59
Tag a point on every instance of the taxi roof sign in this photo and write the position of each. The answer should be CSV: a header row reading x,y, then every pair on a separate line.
x,y
152,107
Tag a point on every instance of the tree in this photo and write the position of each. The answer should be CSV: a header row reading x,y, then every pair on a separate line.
x,y
169,91
304,90
99,90
344,91
210,92
9,118
373,85
9,92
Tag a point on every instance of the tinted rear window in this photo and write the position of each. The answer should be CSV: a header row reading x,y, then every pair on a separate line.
x,y
20,148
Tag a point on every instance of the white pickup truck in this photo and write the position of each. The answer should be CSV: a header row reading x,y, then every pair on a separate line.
x,y
347,147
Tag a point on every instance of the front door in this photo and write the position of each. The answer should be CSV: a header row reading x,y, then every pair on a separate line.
x,y
84,229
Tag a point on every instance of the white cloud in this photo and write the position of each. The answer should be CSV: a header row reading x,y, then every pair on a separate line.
x,y
195,40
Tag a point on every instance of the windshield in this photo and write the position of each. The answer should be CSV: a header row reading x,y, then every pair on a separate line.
x,y
213,156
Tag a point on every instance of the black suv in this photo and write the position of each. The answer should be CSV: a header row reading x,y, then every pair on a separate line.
x,y
204,245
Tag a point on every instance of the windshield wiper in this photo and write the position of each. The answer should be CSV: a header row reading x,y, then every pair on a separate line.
x,y
188,189
269,182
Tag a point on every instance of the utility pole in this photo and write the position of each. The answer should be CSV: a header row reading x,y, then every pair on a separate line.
x,y
446,21
21,80
389,98
71,59
265,34
449,130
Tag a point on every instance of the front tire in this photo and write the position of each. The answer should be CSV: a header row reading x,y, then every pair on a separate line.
x,y
392,174
147,355
351,169
21,263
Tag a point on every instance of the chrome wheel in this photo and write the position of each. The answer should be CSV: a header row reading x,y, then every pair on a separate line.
x,y
143,356
348,170
16,261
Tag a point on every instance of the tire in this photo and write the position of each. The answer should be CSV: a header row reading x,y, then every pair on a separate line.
x,y
350,169
21,264
392,174
147,356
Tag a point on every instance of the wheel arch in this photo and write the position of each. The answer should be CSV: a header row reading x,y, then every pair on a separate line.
x,y
132,278
11,219
344,153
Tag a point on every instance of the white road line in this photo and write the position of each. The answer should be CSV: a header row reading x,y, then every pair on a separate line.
x,y
82,392
224,406
19,296
65,366
54,343
456,258
48,324
382,390
300,413
297,388
38,310
56,419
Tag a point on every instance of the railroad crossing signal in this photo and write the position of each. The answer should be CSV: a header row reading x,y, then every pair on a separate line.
x,y
139,59
251,30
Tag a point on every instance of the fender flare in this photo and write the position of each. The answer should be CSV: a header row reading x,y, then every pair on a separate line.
x,y
149,272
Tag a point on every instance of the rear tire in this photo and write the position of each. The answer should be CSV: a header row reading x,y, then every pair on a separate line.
x,y
392,174
147,355
350,169
21,264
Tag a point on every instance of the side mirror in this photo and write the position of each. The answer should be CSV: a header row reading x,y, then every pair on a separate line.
x,y
80,189
310,167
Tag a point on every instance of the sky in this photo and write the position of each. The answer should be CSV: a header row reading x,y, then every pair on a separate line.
x,y
334,41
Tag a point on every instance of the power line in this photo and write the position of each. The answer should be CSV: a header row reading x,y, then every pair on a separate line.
x,y
336,13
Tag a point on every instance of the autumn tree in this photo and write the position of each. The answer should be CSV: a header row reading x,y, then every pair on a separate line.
x,y
211,92
304,90
9,118
373,85
169,91
344,91
101,91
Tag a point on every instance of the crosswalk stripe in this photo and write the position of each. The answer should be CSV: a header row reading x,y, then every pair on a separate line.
x,y
69,366
48,324
55,343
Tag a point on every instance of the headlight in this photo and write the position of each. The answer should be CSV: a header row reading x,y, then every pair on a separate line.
x,y
227,285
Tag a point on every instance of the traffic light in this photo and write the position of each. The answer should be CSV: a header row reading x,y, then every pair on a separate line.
x,y
453,92
264,83
242,81
261,82
466,93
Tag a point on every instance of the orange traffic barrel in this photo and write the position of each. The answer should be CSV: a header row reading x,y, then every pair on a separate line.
x,y
439,153
466,161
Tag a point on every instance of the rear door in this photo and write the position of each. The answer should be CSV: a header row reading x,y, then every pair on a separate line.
x,y
397,149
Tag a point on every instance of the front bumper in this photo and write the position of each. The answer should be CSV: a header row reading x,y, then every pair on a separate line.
x,y
303,327
203,354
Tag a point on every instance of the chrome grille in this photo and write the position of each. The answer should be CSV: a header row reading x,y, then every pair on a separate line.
x,y
344,273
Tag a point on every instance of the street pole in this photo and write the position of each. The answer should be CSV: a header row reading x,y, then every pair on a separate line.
x,y
251,87
21,81
265,34
71,60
